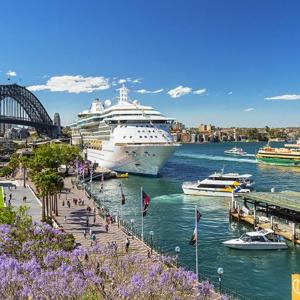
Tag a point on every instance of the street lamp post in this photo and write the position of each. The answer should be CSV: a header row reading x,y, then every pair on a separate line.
x,y
177,251
132,222
151,240
220,272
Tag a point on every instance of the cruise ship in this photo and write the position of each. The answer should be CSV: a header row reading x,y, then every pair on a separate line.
x,y
125,137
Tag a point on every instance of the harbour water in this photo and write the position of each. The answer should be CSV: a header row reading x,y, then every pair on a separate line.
x,y
255,274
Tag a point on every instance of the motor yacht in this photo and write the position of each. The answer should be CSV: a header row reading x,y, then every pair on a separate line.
x,y
236,152
257,240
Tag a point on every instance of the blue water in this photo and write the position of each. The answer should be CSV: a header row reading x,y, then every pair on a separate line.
x,y
255,274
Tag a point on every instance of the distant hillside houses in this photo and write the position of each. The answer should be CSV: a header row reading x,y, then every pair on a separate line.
x,y
205,133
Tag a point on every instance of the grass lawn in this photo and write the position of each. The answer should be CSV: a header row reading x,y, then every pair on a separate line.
x,y
1,197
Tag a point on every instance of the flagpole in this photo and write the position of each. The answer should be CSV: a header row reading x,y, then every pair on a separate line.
x,y
142,211
196,227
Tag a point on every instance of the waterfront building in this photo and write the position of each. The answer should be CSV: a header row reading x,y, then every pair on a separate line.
x,y
125,137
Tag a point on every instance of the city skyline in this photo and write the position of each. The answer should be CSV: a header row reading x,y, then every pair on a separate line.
x,y
229,64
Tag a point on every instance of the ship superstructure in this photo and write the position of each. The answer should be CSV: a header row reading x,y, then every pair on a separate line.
x,y
125,137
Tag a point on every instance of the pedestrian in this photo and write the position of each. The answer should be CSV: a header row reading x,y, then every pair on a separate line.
x,y
24,199
94,238
127,245
87,222
149,253
91,232
10,196
65,218
106,227
69,204
63,203
94,218
84,233
9,203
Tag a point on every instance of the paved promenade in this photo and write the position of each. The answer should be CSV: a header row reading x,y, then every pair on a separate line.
x,y
18,193
73,220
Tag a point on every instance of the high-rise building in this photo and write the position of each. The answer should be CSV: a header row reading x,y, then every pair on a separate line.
x,y
56,122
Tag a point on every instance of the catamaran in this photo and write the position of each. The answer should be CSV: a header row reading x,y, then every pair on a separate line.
x,y
220,185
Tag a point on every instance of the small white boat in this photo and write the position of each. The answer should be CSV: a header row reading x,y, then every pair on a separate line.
x,y
236,151
257,240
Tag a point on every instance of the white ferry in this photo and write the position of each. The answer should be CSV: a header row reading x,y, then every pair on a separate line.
x,y
220,185
126,137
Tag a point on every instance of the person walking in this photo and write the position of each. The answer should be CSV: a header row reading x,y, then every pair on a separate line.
x,y
106,227
10,196
84,233
24,199
65,218
69,204
87,222
91,232
94,218
127,244
94,238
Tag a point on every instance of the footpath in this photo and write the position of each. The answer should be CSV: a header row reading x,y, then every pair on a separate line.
x,y
74,220
22,196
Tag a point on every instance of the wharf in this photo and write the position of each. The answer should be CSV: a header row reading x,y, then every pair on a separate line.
x,y
283,205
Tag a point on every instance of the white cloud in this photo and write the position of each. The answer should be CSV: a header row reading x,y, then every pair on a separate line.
x,y
284,97
11,73
128,79
73,84
199,92
143,91
229,93
249,109
179,91
137,80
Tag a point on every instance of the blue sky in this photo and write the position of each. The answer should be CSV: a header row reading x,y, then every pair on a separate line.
x,y
216,61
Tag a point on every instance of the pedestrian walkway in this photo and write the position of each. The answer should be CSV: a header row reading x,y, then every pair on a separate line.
x,y
18,192
74,220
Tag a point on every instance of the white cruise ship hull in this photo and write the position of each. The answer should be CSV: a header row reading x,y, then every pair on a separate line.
x,y
142,159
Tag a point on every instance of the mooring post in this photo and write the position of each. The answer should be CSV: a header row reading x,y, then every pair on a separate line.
x,y
254,215
238,213
272,221
230,203
293,232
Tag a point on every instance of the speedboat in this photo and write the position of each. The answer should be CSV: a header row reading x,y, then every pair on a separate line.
x,y
257,240
236,151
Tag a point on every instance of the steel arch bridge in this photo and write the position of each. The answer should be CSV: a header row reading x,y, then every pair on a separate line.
x,y
19,106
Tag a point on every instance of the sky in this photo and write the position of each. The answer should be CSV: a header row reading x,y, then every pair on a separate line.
x,y
228,63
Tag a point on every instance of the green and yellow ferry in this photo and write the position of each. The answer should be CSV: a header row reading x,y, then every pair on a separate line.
x,y
279,156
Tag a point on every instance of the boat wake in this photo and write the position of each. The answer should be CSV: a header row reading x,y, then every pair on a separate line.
x,y
216,157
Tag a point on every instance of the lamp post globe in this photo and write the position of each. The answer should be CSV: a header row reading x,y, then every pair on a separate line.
x,y
220,271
